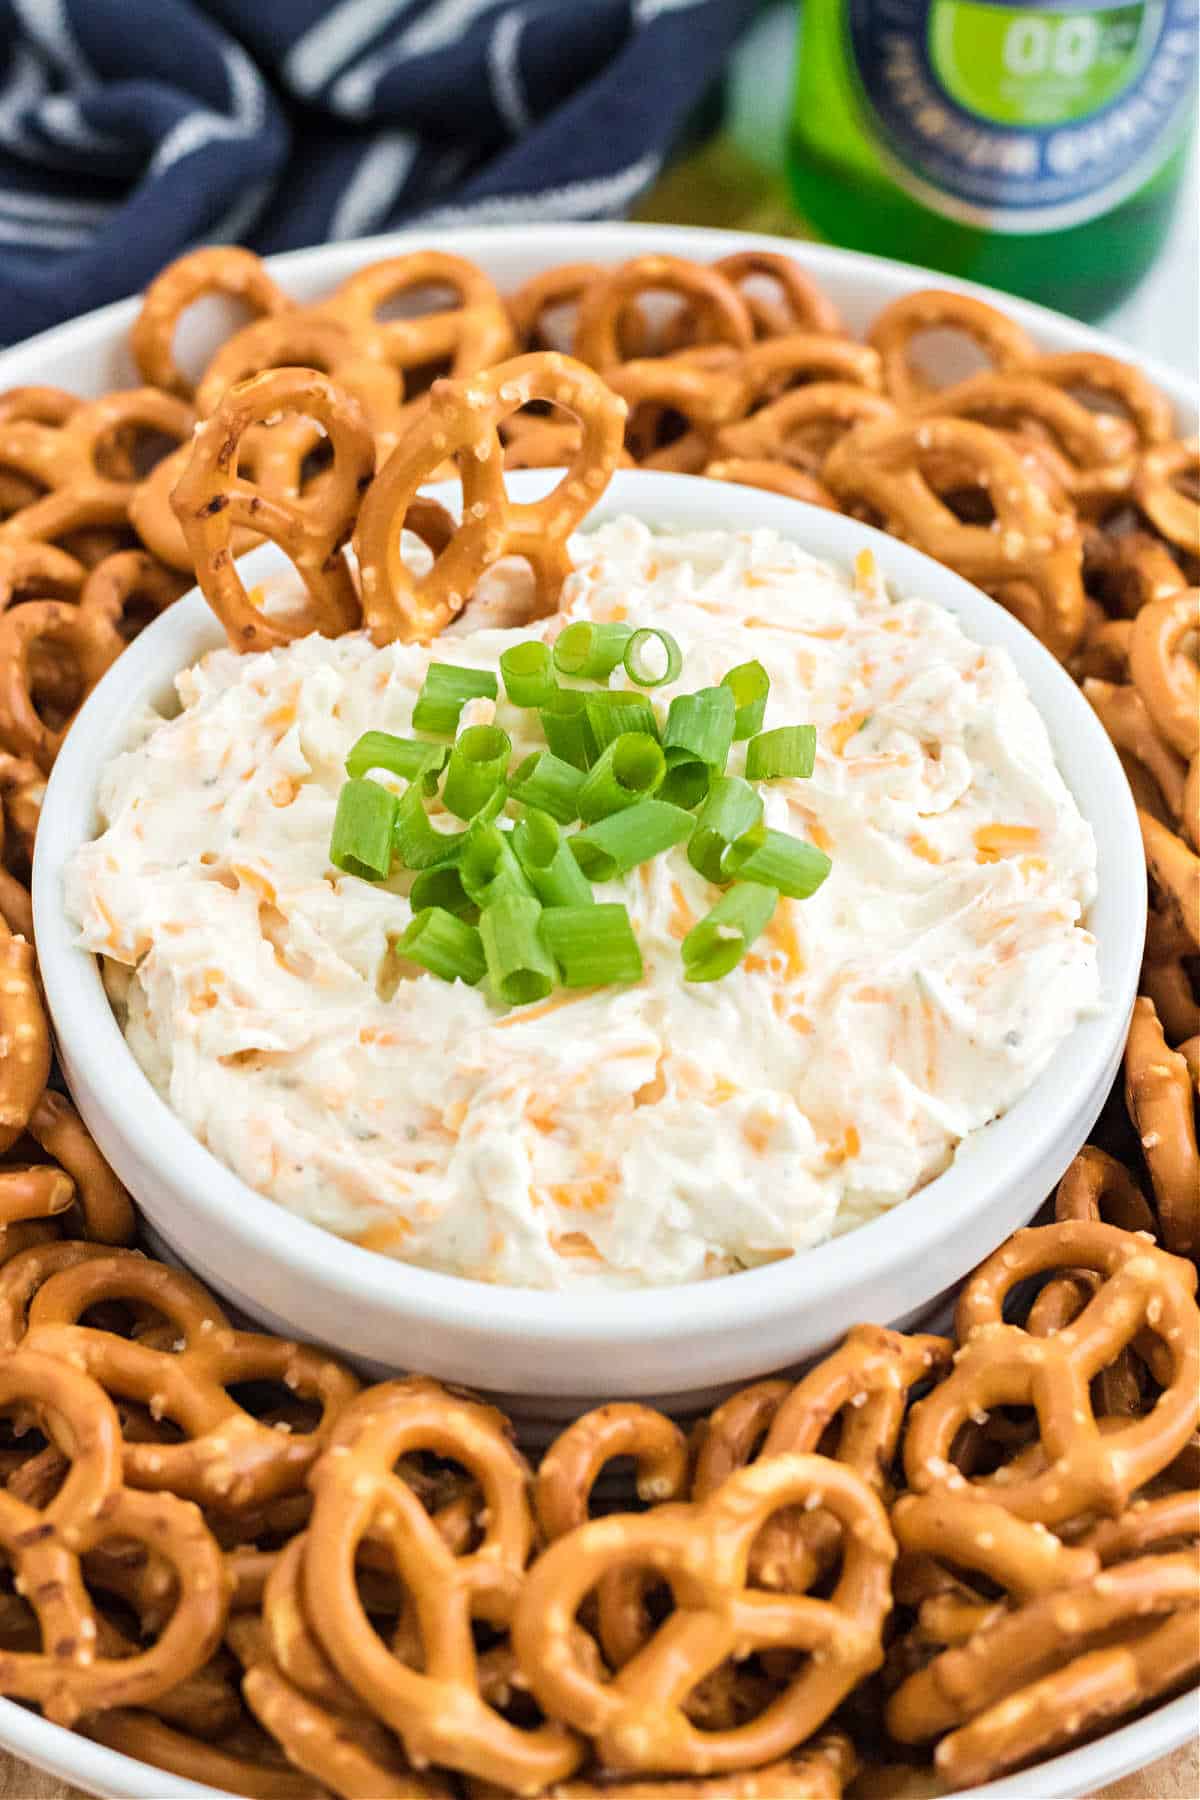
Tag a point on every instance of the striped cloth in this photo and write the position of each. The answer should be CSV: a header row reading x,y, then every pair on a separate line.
x,y
133,129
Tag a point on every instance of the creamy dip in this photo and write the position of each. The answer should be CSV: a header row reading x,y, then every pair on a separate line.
x,y
620,1137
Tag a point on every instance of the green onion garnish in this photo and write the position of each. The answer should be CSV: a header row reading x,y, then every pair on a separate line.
x,y
442,887
417,843
520,966
542,852
445,691
407,757
592,945
749,684
528,673
590,650
686,782
565,727
361,842
477,767
620,842
776,755
644,666
548,783
630,769
778,860
718,942
612,713
731,808
444,945
701,724
488,866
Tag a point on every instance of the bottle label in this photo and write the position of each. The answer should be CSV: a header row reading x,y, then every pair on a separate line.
x,y
1025,117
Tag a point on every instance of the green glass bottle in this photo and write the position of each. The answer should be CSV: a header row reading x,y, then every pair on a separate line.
x,y
1037,148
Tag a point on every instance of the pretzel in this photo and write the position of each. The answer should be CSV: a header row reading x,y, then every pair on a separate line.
x,y
1001,339
702,1551
902,471
804,358
1041,1675
439,1714
461,423
1129,571
775,477
1001,1365
1168,987
1091,374
801,306
90,641
1174,871
1103,653
658,385
1123,714
821,1770
239,1765
564,286
68,460
68,1677
1157,490
212,497
30,570
22,790
356,1764
226,270
228,1459
1168,680
802,426
127,587
1158,1094
716,310
24,1037
44,405
107,1210
470,336
32,1191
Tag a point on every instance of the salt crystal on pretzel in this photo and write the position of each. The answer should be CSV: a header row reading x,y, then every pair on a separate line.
x,y
460,422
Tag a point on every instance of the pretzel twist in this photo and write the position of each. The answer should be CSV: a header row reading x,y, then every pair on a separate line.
x,y
228,1460
68,1677
439,1714
821,1770
239,1765
461,423
24,1037
1157,491
702,1552
90,643
902,471
1174,870
106,1207
470,336
716,310
801,305
1084,1469
892,331
1167,679
1159,1098
226,270
212,497
801,427
1128,572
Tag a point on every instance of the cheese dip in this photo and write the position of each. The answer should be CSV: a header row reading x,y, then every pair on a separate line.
x,y
618,1137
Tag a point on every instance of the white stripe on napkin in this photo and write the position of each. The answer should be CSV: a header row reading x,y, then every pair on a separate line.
x,y
330,44
504,70
372,189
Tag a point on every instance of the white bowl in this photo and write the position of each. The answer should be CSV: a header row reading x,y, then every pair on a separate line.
x,y
568,1347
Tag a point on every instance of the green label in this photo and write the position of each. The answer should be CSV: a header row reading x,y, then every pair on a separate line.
x,y
1017,65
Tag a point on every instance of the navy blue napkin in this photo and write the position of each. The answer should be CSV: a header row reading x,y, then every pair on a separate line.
x,y
131,130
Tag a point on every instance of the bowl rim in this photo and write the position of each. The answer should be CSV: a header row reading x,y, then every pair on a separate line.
x,y
605,1318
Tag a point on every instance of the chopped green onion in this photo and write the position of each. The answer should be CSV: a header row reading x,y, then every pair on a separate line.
x,y
592,945
718,942
477,767
612,713
638,665
565,727
686,782
776,755
778,860
548,783
620,842
701,725
407,757
442,887
630,769
361,842
488,865
528,673
590,650
445,691
730,810
418,844
542,852
520,966
749,684
444,945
